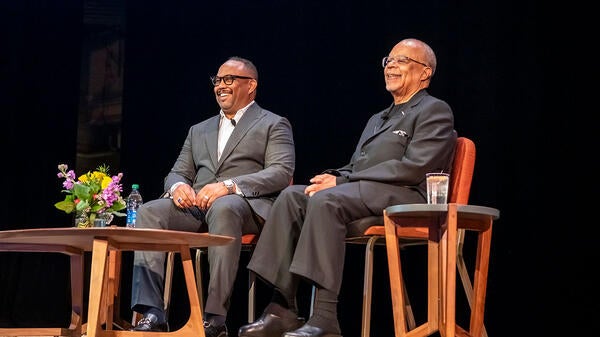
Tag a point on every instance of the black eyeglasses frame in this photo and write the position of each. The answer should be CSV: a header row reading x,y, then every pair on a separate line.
x,y
227,79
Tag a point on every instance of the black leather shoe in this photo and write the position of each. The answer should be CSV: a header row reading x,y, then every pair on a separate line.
x,y
270,325
308,330
214,330
150,323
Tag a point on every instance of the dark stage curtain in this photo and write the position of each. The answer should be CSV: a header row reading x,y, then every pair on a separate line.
x,y
40,93
319,65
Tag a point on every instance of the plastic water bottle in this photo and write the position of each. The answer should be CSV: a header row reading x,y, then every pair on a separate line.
x,y
134,200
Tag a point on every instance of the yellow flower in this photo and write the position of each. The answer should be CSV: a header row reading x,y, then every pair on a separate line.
x,y
101,178
105,181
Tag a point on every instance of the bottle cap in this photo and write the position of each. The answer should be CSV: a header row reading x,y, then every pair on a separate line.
x,y
135,186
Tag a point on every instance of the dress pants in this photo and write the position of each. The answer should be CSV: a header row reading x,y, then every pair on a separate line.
x,y
305,236
229,215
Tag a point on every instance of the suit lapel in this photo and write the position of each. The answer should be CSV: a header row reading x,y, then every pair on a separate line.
x,y
250,117
393,120
212,138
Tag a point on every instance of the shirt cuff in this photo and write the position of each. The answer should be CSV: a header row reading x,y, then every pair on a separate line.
x,y
174,186
237,190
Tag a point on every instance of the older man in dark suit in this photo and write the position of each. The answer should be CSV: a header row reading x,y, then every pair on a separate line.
x,y
304,237
228,173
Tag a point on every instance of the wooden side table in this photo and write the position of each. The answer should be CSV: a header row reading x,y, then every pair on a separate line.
x,y
442,222
101,241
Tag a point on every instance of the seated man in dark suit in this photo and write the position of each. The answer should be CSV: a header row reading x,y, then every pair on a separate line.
x,y
304,236
228,173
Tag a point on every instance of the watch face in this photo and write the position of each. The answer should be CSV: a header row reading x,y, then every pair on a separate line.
x,y
229,184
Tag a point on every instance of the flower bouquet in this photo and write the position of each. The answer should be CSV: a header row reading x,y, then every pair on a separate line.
x,y
94,194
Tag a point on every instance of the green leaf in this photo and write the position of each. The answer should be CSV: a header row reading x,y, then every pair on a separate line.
x,y
117,206
65,205
83,204
95,208
118,213
103,168
82,192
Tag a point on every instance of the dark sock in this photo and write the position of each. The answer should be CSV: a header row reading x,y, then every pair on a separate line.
x,y
278,310
215,320
284,300
280,299
325,311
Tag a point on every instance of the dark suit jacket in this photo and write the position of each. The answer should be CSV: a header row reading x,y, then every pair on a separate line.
x,y
398,154
387,168
259,156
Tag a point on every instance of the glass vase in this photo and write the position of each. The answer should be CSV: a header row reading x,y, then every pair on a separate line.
x,y
102,219
82,220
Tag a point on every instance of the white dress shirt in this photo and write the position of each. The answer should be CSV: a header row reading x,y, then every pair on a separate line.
x,y
226,127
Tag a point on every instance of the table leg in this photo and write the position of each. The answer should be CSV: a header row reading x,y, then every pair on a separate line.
x,y
76,269
97,276
480,280
395,271
190,282
76,262
448,326
434,285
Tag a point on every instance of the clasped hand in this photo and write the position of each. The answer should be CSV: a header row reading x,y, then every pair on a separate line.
x,y
184,195
320,182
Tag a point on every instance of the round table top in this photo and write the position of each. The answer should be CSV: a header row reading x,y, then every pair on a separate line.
x,y
83,238
432,209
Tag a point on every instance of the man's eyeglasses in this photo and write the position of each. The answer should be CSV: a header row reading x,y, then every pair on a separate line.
x,y
228,79
400,59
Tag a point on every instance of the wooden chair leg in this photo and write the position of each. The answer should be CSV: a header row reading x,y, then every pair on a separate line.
x,y
464,273
199,285
368,286
168,282
368,291
251,296
135,317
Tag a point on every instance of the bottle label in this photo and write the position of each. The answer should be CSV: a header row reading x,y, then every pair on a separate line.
x,y
131,217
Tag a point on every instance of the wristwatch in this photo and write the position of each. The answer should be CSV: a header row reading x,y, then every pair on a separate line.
x,y
230,186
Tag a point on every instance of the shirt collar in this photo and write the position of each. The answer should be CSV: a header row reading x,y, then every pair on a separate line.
x,y
238,114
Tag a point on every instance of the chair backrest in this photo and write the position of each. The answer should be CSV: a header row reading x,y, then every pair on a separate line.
x,y
461,174
461,177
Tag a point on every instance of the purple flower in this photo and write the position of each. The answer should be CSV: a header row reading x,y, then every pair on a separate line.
x,y
68,184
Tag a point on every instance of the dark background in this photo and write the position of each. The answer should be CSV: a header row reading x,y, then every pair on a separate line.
x,y
320,66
